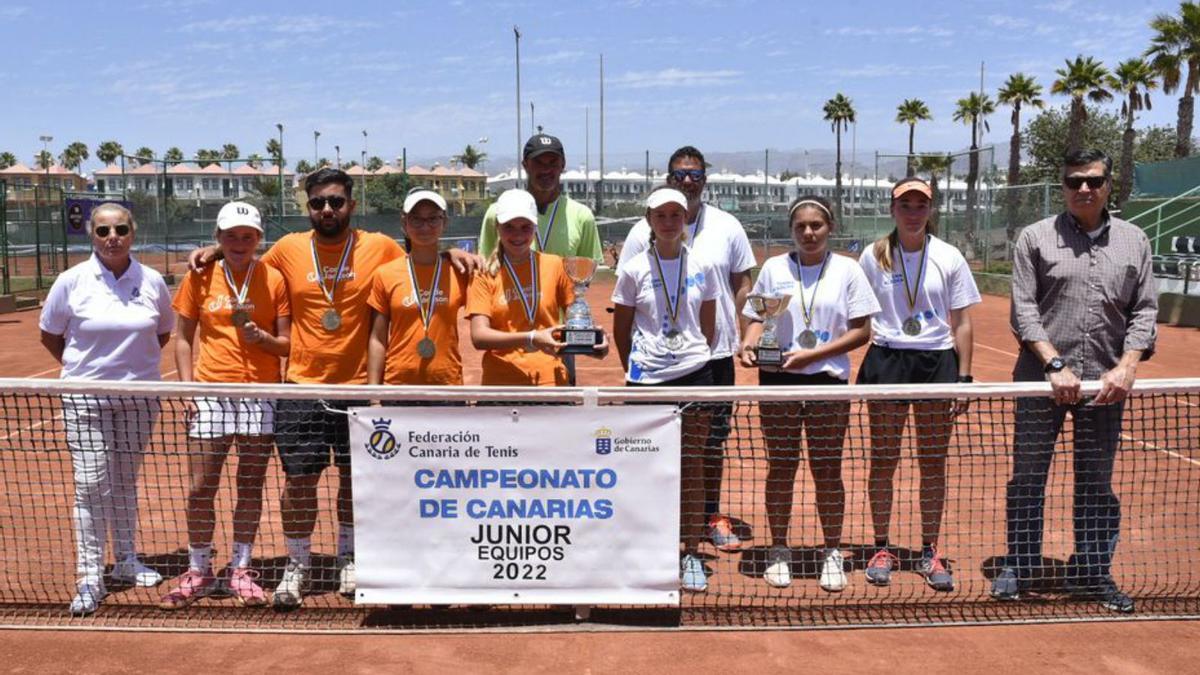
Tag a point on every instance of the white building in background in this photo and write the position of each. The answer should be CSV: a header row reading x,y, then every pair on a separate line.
x,y
215,182
731,191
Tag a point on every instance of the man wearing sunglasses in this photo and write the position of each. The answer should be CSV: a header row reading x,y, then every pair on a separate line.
x,y
720,238
1083,307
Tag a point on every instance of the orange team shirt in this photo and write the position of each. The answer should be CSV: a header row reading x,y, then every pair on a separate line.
x,y
496,298
206,298
392,295
320,356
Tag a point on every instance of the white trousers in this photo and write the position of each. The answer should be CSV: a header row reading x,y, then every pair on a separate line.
x,y
106,436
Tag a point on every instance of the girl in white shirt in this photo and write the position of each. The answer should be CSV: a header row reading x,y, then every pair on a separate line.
x,y
664,324
829,302
921,335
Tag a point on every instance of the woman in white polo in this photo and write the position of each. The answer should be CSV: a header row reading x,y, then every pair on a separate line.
x,y
234,322
107,318
665,305
922,335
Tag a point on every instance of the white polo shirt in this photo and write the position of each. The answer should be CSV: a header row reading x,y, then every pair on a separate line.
x,y
651,361
836,296
946,285
719,238
111,325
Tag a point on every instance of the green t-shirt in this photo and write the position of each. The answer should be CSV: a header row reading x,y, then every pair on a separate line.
x,y
573,232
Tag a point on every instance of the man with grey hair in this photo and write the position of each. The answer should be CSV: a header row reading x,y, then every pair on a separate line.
x,y
1083,307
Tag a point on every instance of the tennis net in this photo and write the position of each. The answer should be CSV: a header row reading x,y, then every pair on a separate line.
x,y
1155,476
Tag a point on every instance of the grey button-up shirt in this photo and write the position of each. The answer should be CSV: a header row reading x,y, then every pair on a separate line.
x,y
1093,299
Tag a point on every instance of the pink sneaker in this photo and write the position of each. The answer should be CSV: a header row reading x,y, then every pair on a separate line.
x,y
192,586
245,590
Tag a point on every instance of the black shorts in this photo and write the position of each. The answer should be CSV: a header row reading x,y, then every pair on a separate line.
x,y
305,432
778,378
701,377
887,365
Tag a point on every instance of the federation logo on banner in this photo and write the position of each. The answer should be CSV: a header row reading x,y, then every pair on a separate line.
x,y
603,441
381,444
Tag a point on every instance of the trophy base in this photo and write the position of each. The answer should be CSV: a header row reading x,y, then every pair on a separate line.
x,y
769,356
580,340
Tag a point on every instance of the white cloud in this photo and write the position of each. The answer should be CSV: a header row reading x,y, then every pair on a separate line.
x,y
302,24
675,77
13,12
891,31
1011,22
871,70
561,56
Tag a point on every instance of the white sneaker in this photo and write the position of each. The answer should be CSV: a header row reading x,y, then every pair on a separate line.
x,y
347,577
779,568
132,571
87,597
833,571
289,594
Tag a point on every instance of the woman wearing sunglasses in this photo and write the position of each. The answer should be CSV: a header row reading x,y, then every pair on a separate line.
x,y
107,318
921,335
234,325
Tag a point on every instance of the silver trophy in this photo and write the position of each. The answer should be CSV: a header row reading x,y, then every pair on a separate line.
x,y
580,333
769,308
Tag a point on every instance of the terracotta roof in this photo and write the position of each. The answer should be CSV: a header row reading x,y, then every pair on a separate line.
x,y
356,171
418,170
246,170
386,169
215,168
110,170
143,170
183,168
17,168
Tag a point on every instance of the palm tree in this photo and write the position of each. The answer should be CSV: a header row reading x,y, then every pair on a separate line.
x,y
1018,90
1176,43
303,167
839,112
1133,79
173,154
7,159
911,111
275,151
205,157
45,160
73,155
934,165
255,160
470,157
109,151
374,163
973,110
1081,78
230,151
143,155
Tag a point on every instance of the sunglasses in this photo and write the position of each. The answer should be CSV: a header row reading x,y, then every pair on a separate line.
x,y
1093,182
102,231
696,175
318,203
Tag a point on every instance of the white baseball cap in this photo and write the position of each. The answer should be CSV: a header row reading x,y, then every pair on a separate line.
x,y
514,204
238,214
666,196
420,195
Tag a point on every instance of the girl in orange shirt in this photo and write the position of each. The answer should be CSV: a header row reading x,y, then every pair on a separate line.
x,y
241,310
414,304
515,308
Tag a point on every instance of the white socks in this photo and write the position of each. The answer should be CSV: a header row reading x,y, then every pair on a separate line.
x,y
200,558
300,550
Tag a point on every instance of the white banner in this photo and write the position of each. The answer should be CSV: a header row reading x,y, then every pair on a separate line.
x,y
516,505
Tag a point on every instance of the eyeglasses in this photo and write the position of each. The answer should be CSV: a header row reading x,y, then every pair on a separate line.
x,y
102,231
318,203
696,175
1093,182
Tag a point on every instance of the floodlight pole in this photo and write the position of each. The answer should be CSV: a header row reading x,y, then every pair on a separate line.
x,y
363,166
279,166
517,38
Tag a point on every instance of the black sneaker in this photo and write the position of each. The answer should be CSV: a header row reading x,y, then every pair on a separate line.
x,y
1104,590
1006,585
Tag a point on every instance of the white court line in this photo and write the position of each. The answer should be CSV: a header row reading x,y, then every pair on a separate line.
x,y
1152,446
42,423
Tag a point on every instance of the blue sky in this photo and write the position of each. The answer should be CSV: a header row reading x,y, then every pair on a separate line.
x,y
725,75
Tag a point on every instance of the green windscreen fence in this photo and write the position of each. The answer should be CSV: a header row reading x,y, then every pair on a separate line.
x,y
1166,179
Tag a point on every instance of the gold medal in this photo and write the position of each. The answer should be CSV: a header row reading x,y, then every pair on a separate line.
x,y
240,317
331,320
241,312
426,348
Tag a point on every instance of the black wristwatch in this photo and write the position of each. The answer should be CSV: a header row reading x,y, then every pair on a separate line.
x,y
1055,365
965,379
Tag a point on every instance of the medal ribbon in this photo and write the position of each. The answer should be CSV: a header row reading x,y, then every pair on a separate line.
x,y
807,307
672,309
529,307
911,293
426,311
542,241
239,293
329,292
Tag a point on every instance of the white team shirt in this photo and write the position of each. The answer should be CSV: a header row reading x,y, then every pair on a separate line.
x,y
638,286
841,294
946,285
111,325
721,240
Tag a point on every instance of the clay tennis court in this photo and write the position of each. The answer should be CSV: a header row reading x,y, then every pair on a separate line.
x,y
737,596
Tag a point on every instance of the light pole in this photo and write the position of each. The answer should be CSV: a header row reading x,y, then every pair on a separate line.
x,y
363,166
337,149
483,162
517,36
46,140
316,152
279,166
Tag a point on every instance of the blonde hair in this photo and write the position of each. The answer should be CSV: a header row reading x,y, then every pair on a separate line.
x,y
112,206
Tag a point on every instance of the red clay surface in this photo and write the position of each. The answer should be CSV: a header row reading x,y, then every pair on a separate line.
x,y
1103,647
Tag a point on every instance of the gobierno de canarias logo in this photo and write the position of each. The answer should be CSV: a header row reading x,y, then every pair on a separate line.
x,y
603,441
382,443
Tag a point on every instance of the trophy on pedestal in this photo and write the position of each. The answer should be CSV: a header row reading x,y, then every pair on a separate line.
x,y
769,307
580,332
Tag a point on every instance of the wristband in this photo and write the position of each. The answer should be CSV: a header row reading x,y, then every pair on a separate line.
x,y
529,342
965,379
